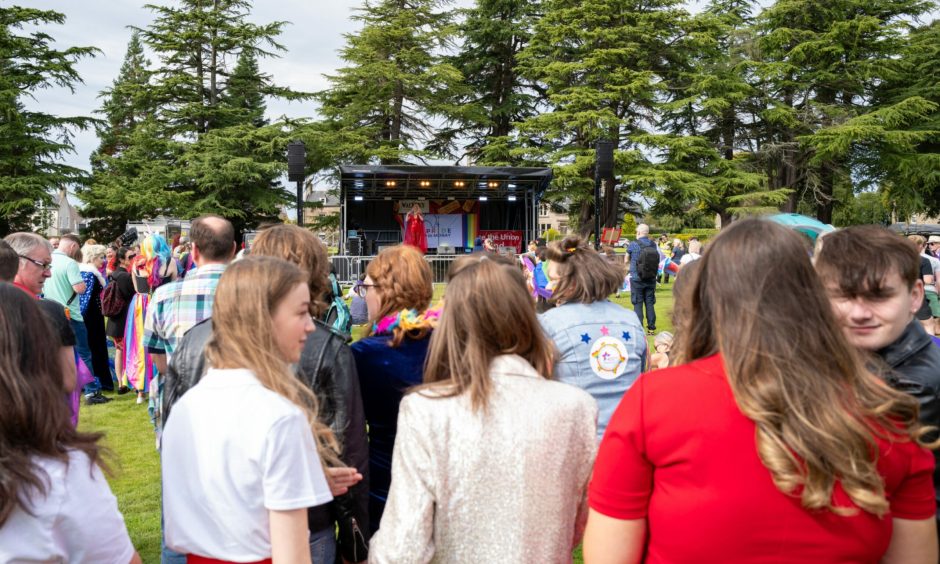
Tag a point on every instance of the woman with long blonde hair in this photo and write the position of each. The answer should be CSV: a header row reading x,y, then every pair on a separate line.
x,y
241,462
491,458
773,442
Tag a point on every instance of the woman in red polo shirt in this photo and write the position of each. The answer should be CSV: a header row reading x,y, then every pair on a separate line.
x,y
773,443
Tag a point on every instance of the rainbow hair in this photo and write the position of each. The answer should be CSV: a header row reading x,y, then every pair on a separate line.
x,y
154,254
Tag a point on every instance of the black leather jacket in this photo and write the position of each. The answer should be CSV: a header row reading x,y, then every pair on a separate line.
x,y
914,360
328,368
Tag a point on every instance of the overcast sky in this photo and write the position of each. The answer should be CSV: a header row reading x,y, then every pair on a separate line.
x,y
312,41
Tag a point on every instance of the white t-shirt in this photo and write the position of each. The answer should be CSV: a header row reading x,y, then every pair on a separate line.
x,y
689,257
233,450
77,521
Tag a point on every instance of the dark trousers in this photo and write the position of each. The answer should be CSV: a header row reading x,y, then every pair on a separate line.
x,y
644,294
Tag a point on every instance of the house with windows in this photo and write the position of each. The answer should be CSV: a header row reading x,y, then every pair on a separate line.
x,y
552,219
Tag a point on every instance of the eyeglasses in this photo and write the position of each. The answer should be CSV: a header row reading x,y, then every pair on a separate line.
x,y
362,289
46,266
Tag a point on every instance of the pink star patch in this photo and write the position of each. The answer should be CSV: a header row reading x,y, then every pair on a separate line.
x,y
605,331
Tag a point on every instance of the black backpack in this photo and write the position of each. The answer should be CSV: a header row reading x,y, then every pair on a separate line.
x,y
647,264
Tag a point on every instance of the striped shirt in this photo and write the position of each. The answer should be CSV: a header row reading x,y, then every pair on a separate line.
x,y
175,308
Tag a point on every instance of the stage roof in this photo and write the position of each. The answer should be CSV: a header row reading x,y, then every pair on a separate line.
x,y
411,181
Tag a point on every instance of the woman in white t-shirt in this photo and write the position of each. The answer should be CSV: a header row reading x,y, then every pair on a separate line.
x,y
55,505
242,452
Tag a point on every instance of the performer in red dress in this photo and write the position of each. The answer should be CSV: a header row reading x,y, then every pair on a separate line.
x,y
415,234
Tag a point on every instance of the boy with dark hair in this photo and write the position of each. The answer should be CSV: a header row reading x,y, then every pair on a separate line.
x,y
873,279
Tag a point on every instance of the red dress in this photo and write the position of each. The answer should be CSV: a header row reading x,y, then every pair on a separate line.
x,y
415,235
680,453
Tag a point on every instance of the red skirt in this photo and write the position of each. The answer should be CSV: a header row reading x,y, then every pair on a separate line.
x,y
196,559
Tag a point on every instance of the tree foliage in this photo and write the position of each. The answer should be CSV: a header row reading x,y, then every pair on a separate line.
x,y
33,142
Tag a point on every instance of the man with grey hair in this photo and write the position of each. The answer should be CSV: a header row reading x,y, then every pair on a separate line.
x,y
65,286
644,266
25,261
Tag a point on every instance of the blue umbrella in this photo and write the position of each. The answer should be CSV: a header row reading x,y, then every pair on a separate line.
x,y
811,227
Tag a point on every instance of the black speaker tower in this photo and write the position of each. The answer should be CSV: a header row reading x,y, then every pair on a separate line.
x,y
296,166
603,169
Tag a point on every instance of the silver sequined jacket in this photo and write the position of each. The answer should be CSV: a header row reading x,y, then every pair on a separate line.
x,y
504,485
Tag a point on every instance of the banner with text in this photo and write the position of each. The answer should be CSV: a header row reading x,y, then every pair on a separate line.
x,y
504,238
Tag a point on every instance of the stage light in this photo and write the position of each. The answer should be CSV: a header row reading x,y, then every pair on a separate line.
x,y
511,198
451,198
493,184
483,198
357,198
390,183
421,198
425,184
388,197
459,183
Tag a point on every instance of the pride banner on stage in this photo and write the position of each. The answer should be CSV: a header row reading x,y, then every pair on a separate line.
x,y
444,230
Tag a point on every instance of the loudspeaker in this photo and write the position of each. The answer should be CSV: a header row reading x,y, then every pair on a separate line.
x,y
354,246
296,161
605,158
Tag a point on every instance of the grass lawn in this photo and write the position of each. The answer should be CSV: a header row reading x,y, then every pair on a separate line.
x,y
136,480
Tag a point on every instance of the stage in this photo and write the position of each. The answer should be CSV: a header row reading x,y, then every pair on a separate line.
x,y
459,205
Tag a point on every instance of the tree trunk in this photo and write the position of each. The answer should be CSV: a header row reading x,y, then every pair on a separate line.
x,y
586,219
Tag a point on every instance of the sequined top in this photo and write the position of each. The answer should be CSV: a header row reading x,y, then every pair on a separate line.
x,y
504,485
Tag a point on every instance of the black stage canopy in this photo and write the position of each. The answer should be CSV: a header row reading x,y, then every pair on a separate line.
x,y
434,182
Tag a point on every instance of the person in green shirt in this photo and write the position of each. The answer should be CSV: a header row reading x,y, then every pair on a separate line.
x,y
64,287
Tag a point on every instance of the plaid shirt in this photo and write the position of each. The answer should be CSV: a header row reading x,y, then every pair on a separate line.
x,y
175,308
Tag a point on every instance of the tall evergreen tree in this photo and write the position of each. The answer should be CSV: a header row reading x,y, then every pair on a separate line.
x,y
495,97
31,141
710,107
198,42
395,80
606,66
821,63
121,160
205,145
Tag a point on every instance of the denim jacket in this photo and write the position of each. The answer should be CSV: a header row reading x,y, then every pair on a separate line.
x,y
603,351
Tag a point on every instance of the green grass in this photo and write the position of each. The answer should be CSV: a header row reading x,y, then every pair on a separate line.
x,y
136,480
130,438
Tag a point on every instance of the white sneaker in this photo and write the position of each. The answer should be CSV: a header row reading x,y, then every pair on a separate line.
x,y
140,399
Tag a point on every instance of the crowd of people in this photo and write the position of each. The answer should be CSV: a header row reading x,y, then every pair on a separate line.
x,y
790,416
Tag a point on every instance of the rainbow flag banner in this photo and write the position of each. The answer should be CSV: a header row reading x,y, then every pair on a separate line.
x,y
471,227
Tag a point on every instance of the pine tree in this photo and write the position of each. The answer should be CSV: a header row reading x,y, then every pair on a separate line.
x,y
197,42
245,91
709,116
127,106
820,65
394,83
205,145
606,66
31,141
910,176
495,97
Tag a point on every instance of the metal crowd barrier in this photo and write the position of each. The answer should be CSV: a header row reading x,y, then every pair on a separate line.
x,y
348,268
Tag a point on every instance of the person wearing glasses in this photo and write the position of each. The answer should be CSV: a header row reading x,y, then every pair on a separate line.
x,y
28,257
397,290
114,328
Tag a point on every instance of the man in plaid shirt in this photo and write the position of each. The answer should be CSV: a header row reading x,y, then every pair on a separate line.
x,y
175,308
